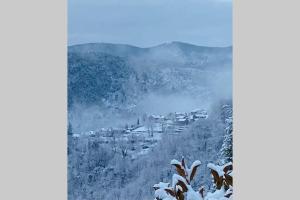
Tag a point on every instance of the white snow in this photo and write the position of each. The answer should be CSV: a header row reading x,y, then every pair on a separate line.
x,y
160,191
217,195
169,121
229,191
141,129
196,110
162,194
175,162
176,178
189,170
162,185
76,135
192,195
195,163
182,120
217,168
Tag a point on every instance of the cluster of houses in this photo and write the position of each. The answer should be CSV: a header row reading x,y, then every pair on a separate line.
x,y
177,122
151,124
145,133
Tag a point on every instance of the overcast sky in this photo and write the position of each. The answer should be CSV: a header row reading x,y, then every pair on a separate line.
x,y
147,23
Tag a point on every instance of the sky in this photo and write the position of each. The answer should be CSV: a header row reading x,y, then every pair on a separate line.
x,y
147,23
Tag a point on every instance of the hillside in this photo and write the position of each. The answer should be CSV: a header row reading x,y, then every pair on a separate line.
x,y
120,79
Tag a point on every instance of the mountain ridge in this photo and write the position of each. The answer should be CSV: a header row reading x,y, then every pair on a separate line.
x,y
149,47
166,54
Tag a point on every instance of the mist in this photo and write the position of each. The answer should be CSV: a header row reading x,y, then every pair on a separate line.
x,y
168,78
164,104
87,118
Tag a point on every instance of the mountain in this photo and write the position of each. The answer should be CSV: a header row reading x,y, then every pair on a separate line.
x,y
174,53
120,78
122,50
95,76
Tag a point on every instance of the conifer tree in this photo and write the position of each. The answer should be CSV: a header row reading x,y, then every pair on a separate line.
x,y
226,150
70,129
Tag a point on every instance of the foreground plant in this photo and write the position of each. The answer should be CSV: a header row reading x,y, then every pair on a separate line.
x,y
181,188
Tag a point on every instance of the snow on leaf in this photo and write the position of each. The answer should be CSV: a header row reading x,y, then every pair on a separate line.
x,y
175,162
161,185
218,169
176,179
193,169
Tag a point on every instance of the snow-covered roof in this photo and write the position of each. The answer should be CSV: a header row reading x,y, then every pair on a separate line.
x,y
179,113
76,135
180,117
197,110
140,129
155,128
157,116
169,121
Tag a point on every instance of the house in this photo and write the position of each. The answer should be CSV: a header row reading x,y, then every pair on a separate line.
x,y
141,129
181,119
199,114
157,118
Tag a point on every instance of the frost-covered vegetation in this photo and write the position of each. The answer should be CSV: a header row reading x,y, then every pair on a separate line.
x,y
181,188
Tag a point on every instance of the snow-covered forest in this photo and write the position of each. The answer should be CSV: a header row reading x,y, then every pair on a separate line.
x,y
133,110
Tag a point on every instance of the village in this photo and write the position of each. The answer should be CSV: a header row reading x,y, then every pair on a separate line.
x,y
139,138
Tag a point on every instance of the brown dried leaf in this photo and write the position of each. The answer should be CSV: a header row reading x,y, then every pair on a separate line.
x,y
170,191
227,168
194,170
183,186
217,179
180,170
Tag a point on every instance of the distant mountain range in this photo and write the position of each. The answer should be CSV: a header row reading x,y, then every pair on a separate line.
x,y
174,53
119,76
